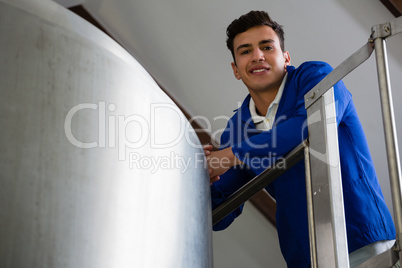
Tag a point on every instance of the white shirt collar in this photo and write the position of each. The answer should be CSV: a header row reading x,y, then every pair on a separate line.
x,y
253,111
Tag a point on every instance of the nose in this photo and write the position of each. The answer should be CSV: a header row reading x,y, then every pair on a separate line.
x,y
258,55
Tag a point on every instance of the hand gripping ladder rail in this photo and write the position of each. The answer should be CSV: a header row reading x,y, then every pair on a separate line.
x,y
327,229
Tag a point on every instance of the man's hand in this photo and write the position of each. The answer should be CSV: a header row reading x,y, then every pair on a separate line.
x,y
219,161
207,150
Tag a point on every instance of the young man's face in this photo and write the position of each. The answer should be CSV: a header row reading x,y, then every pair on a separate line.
x,y
260,61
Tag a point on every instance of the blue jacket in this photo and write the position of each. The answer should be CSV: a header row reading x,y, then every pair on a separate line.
x,y
367,216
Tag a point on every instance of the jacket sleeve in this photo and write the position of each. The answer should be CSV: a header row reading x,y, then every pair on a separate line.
x,y
290,129
229,182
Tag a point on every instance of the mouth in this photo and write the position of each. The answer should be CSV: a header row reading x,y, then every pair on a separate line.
x,y
258,70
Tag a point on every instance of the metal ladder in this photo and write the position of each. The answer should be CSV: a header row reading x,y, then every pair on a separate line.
x,y
323,176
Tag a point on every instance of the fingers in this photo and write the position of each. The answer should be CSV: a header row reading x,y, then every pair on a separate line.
x,y
214,179
207,149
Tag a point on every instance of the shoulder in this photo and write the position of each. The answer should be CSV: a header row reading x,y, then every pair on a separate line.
x,y
308,74
314,64
313,67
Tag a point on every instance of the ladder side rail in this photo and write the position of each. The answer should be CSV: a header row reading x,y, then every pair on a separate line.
x,y
379,34
310,211
331,247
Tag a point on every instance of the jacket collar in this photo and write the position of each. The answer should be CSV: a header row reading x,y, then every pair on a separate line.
x,y
244,111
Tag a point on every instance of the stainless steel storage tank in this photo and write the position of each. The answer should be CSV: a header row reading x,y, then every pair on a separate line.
x,y
98,167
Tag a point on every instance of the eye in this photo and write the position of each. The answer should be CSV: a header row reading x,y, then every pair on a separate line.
x,y
268,48
245,52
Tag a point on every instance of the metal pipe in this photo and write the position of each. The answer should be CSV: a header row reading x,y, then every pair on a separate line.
x,y
390,136
310,208
257,183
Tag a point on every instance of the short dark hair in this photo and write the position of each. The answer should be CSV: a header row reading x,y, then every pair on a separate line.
x,y
249,20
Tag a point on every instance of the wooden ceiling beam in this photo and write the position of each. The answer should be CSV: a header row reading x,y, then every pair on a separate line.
x,y
394,6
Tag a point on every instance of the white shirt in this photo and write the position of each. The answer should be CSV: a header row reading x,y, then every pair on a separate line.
x,y
367,252
266,123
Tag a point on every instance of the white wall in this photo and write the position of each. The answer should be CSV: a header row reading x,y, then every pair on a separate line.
x,y
182,44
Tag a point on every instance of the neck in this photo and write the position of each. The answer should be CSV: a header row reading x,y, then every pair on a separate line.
x,y
262,100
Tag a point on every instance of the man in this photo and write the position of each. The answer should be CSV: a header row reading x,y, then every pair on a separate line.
x,y
271,122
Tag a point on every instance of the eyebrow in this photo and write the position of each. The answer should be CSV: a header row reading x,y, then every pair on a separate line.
x,y
262,42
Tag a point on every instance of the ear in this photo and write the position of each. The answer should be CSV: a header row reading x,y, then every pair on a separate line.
x,y
235,71
286,55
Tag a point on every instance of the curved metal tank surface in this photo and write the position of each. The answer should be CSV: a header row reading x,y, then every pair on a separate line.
x,y
98,168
